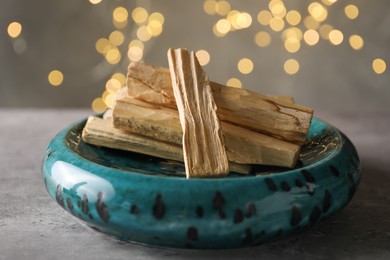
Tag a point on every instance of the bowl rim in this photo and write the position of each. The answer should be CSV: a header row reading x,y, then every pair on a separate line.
x,y
78,160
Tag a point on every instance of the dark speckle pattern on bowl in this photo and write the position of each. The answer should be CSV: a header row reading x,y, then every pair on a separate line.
x,y
148,200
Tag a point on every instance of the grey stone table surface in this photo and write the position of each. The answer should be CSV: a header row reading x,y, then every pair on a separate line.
x,y
32,226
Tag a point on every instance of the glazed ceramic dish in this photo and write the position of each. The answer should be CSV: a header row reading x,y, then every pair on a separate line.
x,y
148,200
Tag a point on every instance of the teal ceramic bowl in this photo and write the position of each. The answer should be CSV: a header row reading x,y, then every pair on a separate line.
x,y
147,200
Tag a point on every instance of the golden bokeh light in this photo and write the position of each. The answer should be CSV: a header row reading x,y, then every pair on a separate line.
x,y
351,11
274,3
318,11
116,38
223,26
336,37
264,17
101,45
223,7
104,95
138,43
113,55
329,2
311,23
120,14
203,57
135,53
98,105
94,2
379,66
262,39
278,9
55,78
234,82
143,33
292,32
291,66
276,24
216,32
232,17
324,31
139,15
113,85
293,17
311,37
245,66
155,28
120,77
14,29
110,100
156,16
210,7
244,20
356,42
292,45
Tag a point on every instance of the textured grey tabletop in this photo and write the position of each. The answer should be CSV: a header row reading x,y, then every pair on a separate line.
x,y
32,225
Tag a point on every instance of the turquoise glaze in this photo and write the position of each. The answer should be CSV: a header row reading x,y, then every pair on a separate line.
x,y
148,200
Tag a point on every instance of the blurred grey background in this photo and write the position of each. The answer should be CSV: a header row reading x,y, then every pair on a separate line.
x,y
62,35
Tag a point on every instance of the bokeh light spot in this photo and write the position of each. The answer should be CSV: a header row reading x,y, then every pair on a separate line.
x,y
94,2
311,37
351,11
336,37
116,38
55,78
120,77
234,82
203,57
292,45
276,24
291,66
14,29
293,17
379,66
245,66
356,42
113,85
98,105
264,17
262,39
210,7
120,14
113,56
139,15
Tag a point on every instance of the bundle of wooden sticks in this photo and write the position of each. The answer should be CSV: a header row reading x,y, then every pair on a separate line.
x,y
178,114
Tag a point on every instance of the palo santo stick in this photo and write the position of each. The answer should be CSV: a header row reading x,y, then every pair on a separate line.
x,y
273,116
203,142
101,132
242,145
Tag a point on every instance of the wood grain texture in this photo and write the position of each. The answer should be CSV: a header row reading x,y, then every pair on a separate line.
x,y
243,146
278,117
203,141
101,132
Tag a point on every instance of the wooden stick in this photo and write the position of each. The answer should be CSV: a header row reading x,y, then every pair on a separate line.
x,y
272,116
203,142
242,145
101,132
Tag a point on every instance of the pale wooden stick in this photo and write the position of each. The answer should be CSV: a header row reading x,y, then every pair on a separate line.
x,y
203,142
242,145
101,132
278,117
